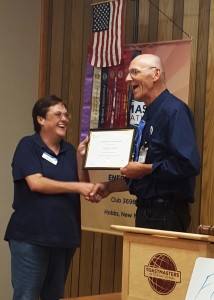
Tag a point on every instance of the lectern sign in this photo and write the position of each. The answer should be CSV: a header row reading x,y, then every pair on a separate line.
x,y
158,264
162,274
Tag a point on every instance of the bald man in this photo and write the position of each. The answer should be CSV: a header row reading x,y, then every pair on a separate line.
x,y
162,174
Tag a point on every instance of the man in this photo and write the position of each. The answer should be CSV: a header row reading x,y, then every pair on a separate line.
x,y
44,229
166,157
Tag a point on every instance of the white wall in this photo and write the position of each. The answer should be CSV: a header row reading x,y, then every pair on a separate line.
x,y
19,67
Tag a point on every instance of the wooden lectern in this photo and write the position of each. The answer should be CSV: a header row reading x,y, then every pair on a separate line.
x,y
158,264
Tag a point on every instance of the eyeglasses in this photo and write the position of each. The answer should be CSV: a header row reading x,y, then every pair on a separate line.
x,y
134,72
59,115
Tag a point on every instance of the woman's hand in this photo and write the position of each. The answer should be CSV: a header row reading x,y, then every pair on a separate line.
x,y
81,150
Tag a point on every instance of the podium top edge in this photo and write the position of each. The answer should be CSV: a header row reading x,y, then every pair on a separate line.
x,y
165,233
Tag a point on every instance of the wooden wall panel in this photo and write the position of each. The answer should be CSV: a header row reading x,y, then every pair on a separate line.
x,y
178,19
66,70
44,33
153,21
57,47
201,74
143,30
130,22
65,35
190,26
96,263
76,32
118,264
107,259
200,91
86,263
45,47
165,16
87,16
73,280
207,207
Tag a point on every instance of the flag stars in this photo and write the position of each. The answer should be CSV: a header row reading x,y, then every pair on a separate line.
x,y
101,15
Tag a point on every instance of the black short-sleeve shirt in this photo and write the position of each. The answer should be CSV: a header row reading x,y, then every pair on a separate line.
x,y
44,219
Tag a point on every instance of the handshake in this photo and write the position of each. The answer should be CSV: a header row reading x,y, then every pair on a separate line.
x,y
94,192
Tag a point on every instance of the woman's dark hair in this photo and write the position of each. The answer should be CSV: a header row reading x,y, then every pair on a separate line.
x,y
41,108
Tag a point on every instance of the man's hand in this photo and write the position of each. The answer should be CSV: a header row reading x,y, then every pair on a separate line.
x,y
103,189
136,170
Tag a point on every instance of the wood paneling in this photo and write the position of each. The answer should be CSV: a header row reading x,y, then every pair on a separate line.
x,y
190,26
201,93
107,259
97,254
56,63
165,26
65,35
143,21
178,19
131,20
153,21
73,280
207,207
76,56
87,255
45,47
118,263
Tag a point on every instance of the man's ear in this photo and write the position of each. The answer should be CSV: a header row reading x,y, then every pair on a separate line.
x,y
157,74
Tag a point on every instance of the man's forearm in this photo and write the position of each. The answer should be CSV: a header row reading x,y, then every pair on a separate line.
x,y
118,185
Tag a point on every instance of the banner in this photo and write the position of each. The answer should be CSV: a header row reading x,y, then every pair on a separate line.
x,y
111,105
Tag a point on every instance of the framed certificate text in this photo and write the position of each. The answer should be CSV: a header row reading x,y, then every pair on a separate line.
x,y
109,148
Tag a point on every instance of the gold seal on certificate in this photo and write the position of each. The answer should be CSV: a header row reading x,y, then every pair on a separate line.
x,y
109,148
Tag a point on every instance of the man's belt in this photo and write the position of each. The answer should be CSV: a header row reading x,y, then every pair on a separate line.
x,y
150,202
158,201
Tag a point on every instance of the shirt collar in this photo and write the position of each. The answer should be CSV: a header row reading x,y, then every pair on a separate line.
x,y
38,140
153,107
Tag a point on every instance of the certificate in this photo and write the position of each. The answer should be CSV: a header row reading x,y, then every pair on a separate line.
x,y
109,148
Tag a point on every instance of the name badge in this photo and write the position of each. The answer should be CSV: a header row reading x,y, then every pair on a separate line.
x,y
142,154
50,158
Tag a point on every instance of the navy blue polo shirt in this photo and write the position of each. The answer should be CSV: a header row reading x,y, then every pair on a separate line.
x,y
49,220
169,134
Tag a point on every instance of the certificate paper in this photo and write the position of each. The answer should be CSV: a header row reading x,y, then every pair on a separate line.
x,y
109,149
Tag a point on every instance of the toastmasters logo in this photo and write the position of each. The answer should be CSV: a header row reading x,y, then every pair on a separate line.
x,y
162,274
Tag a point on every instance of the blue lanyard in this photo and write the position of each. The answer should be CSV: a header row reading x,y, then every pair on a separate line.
x,y
138,138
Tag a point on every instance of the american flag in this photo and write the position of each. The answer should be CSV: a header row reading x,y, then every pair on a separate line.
x,y
108,34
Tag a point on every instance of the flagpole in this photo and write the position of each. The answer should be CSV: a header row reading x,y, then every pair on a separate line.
x,y
102,2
